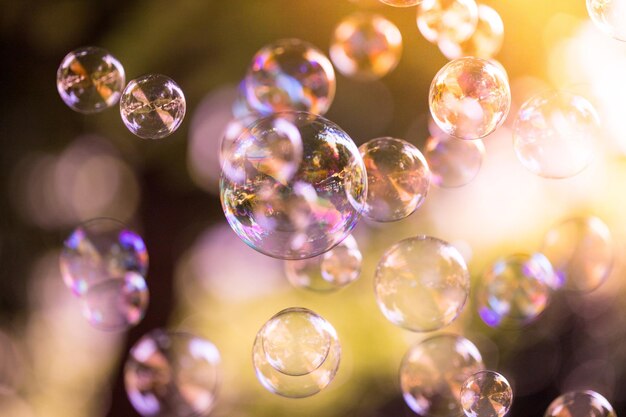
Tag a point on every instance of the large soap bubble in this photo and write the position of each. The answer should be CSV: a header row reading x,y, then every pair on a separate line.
x,y
580,404
486,394
609,16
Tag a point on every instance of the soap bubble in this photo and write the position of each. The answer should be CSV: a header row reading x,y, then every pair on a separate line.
x,y
469,98
485,42
100,250
366,46
290,74
609,16
298,188
580,404
152,106
90,80
401,3
581,251
398,179
421,284
486,394
554,134
447,20
171,374
330,271
515,290
432,372
296,353
453,162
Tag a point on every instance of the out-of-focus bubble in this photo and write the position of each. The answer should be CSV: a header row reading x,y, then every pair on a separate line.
x,y
298,187
447,20
11,364
152,106
609,16
469,98
401,3
100,250
555,134
398,179
296,353
171,374
90,80
290,74
453,162
421,284
581,251
580,404
485,42
366,46
515,290
433,371
486,394
330,271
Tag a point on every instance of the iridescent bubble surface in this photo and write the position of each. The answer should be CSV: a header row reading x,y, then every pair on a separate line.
x,y
398,179
152,106
609,16
469,98
421,284
366,46
580,404
453,162
296,353
447,20
485,42
90,80
555,134
401,3
290,74
486,394
170,374
433,371
298,188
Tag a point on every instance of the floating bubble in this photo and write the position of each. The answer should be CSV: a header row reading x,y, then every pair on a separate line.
x,y
171,374
486,394
330,271
453,162
421,284
90,80
100,250
485,42
581,251
609,16
152,106
433,371
298,186
580,404
296,353
515,290
401,3
469,98
290,74
398,179
366,46
447,20
554,134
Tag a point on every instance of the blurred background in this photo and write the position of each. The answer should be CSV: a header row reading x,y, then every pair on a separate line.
x,y
59,168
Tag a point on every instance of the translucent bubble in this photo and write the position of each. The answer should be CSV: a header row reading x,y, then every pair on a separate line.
x,y
100,250
515,290
296,353
486,394
290,74
421,284
580,404
398,179
453,162
90,80
331,271
152,106
485,42
609,16
554,134
447,20
298,188
366,46
469,98
581,251
172,375
401,3
432,372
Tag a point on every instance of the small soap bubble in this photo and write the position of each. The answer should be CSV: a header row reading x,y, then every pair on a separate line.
x,y
469,98
366,46
172,374
486,394
401,3
580,404
609,16
290,74
100,250
433,371
90,80
421,284
398,179
453,162
152,106
555,133
447,20
296,353
485,42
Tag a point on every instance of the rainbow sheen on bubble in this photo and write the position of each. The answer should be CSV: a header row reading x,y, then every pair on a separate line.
x,y
447,20
580,404
485,42
453,162
486,394
609,16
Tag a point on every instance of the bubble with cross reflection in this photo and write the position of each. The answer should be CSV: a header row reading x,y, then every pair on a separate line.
x,y
609,16
486,394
